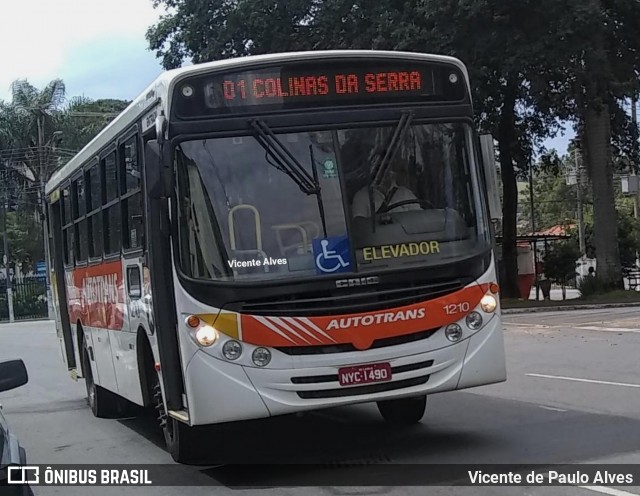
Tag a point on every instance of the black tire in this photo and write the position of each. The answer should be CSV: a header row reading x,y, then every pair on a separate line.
x,y
103,403
183,442
403,411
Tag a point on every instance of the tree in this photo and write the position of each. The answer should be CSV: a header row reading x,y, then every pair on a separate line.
x,y
84,118
216,29
596,71
35,134
530,62
559,263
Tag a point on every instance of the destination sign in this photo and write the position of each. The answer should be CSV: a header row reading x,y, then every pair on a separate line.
x,y
325,83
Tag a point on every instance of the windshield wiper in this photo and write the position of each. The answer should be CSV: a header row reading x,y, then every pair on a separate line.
x,y
399,133
379,169
286,162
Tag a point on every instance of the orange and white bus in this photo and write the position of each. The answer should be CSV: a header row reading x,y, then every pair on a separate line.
x,y
280,233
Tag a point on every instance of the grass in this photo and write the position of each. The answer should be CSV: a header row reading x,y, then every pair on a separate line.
x,y
618,296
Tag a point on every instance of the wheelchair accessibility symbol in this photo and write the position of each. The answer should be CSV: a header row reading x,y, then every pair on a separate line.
x,y
332,255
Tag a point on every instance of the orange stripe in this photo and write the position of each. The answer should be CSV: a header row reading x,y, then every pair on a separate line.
x,y
362,329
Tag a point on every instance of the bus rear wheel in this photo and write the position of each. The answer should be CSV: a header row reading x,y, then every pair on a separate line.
x,y
103,403
403,411
183,442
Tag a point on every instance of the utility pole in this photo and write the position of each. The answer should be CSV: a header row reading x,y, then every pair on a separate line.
x,y
580,212
5,257
41,180
533,212
636,196
533,229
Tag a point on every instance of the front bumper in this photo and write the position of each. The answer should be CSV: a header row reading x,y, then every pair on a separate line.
x,y
220,391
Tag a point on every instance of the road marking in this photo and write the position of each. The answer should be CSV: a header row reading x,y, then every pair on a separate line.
x,y
552,408
608,490
525,324
577,379
608,329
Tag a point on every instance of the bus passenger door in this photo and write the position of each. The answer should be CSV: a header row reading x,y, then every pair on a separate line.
x,y
126,358
58,287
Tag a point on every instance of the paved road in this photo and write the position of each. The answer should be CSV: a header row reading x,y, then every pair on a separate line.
x,y
572,396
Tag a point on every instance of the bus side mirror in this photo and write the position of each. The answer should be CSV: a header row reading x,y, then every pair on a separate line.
x,y
491,176
153,170
13,374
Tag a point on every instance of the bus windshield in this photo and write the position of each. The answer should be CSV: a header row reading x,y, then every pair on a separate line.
x,y
312,203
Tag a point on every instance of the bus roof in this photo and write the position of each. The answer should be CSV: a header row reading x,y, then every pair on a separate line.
x,y
162,88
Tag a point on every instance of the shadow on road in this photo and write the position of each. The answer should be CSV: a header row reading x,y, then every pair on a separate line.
x,y
352,445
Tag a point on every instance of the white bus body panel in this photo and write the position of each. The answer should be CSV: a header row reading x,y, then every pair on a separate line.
x,y
222,391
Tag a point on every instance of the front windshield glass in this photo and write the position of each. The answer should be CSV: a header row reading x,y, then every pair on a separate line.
x,y
315,203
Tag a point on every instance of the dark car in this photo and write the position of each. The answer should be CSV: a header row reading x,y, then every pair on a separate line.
x,y
13,374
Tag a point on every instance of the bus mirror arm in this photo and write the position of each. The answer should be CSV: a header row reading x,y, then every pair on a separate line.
x,y
153,168
167,172
491,176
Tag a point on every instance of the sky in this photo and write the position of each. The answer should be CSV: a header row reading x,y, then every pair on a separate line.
x,y
97,47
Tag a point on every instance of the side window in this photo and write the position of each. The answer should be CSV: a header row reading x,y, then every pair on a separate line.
x,y
112,229
94,219
133,232
110,177
66,206
95,226
131,165
68,245
79,198
68,227
111,219
132,228
93,187
82,240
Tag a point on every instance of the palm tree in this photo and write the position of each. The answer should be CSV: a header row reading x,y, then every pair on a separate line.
x,y
38,115
30,133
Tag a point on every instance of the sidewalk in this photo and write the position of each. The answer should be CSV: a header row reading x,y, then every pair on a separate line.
x,y
569,307
556,294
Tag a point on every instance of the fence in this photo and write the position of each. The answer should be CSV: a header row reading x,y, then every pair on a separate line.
x,y
29,297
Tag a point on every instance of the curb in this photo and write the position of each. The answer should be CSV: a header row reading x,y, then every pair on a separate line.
x,y
569,308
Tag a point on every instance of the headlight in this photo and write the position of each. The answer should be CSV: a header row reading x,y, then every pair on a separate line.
x,y
232,350
206,335
488,303
261,357
453,332
474,321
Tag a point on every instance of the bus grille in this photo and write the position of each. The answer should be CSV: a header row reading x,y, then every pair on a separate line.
x,y
318,379
348,347
367,389
336,302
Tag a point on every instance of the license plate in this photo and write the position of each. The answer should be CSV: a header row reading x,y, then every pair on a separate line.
x,y
364,374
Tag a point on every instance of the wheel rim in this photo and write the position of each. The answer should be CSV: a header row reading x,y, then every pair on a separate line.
x,y
91,387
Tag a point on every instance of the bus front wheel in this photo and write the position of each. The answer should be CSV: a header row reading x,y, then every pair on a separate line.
x,y
183,442
403,411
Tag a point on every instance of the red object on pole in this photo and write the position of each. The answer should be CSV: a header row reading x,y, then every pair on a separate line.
x,y
525,282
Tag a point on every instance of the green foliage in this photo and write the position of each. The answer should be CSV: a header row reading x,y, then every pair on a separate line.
x,y
555,202
559,262
84,118
24,234
628,235
531,63
590,286
29,298
38,134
